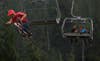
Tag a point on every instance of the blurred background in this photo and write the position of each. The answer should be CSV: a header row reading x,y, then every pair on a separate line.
x,y
47,43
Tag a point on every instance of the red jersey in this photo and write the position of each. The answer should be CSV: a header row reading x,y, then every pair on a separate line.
x,y
19,16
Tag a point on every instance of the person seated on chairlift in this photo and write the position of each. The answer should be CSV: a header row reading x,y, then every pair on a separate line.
x,y
83,29
74,29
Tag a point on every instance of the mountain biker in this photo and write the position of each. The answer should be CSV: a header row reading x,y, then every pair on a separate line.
x,y
18,19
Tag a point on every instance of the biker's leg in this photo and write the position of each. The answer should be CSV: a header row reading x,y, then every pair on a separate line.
x,y
26,28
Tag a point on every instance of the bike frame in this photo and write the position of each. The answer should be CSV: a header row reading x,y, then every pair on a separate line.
x,y
20,27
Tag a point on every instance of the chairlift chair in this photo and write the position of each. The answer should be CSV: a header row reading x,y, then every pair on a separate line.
x,y
68,24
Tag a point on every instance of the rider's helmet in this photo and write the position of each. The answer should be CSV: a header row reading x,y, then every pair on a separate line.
x,y
11,12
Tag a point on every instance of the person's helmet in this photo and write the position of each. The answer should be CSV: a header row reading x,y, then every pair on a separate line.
x,y
11,12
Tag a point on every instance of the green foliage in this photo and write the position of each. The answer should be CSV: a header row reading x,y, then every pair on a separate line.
x,y
71,57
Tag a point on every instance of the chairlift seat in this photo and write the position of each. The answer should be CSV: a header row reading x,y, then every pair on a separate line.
x,y
77,34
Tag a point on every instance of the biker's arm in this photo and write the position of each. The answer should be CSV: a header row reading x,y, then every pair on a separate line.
x,y
9,22
24,15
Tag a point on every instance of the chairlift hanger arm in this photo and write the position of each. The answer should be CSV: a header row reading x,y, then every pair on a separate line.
x,y
72,8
